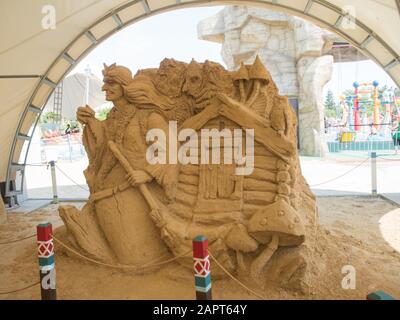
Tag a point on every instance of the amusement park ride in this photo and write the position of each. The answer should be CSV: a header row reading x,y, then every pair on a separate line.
x,y
367,114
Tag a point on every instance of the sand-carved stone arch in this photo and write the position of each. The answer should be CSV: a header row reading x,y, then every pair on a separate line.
x,y
321,12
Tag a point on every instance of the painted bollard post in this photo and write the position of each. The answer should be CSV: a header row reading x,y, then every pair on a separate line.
x,y
46,261
379,295
52,164
374,183
202,274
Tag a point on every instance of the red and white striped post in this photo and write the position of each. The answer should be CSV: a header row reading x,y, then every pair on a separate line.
x,y
46,261
202,274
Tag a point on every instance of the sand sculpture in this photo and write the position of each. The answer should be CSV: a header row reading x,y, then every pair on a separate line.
x,y
3,213
137,210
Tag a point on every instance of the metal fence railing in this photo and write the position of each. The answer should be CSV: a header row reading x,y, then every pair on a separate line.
x,y
64,147
366,146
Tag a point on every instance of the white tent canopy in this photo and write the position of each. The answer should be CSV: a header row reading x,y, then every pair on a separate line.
x,y
33,60
74,94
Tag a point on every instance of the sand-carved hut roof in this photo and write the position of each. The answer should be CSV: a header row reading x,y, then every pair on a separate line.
x,y
265,135
241,74
258,71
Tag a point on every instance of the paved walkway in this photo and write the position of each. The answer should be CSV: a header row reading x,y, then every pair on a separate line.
x,y
351,175
337,175
28,206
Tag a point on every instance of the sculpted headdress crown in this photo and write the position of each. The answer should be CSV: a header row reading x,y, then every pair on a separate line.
x,y
119,74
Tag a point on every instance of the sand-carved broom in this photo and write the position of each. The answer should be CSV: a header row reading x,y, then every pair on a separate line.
x,y
154,206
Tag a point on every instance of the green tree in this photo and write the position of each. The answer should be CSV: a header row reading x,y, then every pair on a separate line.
x,y
102,113
331,108
348,93
48,117
382,90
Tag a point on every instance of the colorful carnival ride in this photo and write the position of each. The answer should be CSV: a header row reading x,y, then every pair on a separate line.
x,y
368,114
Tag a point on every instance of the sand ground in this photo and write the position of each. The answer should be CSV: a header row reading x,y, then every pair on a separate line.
x,y
360,231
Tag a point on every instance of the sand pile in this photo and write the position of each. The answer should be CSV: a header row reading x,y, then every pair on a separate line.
x,y
361,232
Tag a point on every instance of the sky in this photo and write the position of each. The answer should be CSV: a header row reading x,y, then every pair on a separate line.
x,y
174,35
146,43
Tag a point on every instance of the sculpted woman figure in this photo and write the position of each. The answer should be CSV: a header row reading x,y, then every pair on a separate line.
x,y
107,228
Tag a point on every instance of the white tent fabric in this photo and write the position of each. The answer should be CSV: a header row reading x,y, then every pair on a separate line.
x,y
33,60
74,92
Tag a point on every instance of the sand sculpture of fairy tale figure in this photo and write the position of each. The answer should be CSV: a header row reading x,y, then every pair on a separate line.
x,y
107,228
136,209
